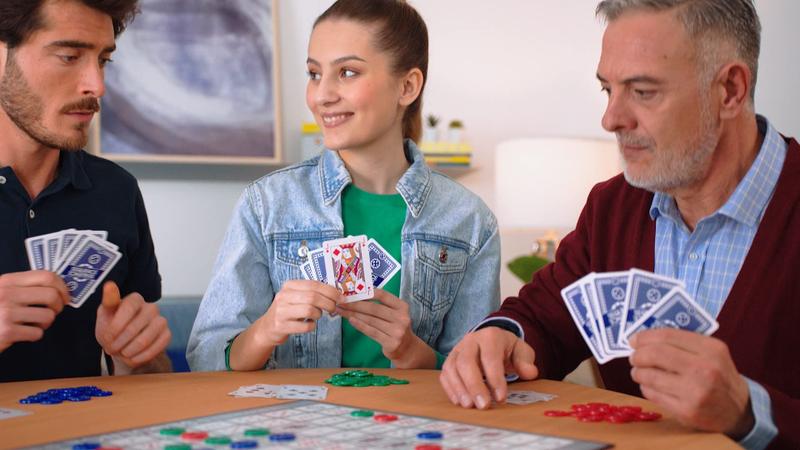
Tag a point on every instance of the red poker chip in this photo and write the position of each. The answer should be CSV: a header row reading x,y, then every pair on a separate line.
x,y
620,418
383,418
631,409
590,418
648,416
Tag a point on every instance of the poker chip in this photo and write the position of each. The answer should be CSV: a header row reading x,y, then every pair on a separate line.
x,y
362,378
604,412
57,396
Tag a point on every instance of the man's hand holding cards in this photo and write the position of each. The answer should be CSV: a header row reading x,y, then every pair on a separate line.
x,y
82,258
609,308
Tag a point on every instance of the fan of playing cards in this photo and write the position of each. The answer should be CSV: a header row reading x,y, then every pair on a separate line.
x,y
82,258
609,308
340,263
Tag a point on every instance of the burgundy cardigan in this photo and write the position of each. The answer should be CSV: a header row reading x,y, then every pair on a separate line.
x,y
760,320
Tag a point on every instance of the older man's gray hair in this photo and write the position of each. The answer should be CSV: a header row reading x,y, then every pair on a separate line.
x,y
713,24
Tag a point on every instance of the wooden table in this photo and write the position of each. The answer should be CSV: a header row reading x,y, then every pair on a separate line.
x,y
143,400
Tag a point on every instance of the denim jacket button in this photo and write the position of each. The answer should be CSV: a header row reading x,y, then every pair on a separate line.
x,y
302,251
443,255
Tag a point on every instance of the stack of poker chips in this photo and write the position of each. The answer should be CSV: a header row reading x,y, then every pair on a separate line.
x,y
56,396
362,378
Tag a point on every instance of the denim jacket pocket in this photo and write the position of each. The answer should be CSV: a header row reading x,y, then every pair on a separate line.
x,y
291,251
438,272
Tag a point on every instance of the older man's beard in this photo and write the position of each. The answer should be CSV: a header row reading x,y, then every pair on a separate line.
x,y
25,109
679,167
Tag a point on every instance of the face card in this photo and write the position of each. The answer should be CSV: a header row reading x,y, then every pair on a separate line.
x,y
610,289
382,264
676,310
645,290
85,267
582,315
527,397
345,268
302,392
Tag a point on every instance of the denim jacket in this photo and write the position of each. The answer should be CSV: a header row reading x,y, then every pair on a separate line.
x,y
450,260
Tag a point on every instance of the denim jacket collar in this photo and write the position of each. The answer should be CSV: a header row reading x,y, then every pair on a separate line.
x,y
414,186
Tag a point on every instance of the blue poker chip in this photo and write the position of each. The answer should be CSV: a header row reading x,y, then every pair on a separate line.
x,y
79,398
281,437
86,446
51,401
430,435
100,393
244,444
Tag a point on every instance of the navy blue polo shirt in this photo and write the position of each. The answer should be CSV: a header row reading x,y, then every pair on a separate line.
x,y
89,193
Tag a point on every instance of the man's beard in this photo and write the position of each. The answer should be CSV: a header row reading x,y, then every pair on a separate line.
x,y
26,109
681,167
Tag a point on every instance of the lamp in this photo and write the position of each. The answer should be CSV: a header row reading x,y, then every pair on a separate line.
x,y
541,185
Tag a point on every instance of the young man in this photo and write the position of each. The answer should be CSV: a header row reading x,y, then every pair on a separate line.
x,y
52,57
709,196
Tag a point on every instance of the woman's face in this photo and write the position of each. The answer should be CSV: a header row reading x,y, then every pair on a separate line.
x,y
352,91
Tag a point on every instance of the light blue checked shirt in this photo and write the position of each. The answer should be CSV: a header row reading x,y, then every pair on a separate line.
x,y
708,260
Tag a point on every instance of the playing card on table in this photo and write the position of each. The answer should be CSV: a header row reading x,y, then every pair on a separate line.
x,y
583,317
345,268
382,264
302,392
645,289
7,413
527,397
257,390
85,267
675,310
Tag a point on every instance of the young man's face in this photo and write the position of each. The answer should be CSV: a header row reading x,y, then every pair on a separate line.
x,y
51,83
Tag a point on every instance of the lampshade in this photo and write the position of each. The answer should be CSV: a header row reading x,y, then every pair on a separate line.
x,y
544,183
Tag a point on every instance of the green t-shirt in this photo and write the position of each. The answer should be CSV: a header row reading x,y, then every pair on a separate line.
x,y
380,217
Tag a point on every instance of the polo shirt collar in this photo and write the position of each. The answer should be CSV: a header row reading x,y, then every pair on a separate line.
x,y
71,170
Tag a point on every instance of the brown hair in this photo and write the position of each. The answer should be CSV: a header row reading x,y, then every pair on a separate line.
x,y
402,33
20,18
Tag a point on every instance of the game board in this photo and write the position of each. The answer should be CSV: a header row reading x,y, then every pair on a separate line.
x,y
311,424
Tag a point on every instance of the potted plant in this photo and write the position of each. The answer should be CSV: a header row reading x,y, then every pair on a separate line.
x,y
429,132
454,131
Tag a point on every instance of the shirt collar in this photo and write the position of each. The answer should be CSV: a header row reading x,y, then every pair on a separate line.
x,y
750,198
71,170
414,186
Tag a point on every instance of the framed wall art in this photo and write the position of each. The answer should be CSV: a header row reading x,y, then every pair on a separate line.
x,y
194,81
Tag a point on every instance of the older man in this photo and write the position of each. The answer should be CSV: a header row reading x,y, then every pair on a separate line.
x,y
52,57
709,195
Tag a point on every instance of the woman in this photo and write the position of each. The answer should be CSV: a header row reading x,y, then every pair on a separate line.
x,y
367,63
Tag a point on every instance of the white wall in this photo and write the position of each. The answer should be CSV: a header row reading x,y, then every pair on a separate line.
x,y
511,68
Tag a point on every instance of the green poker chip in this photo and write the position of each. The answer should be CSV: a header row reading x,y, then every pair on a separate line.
x,y
362,378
